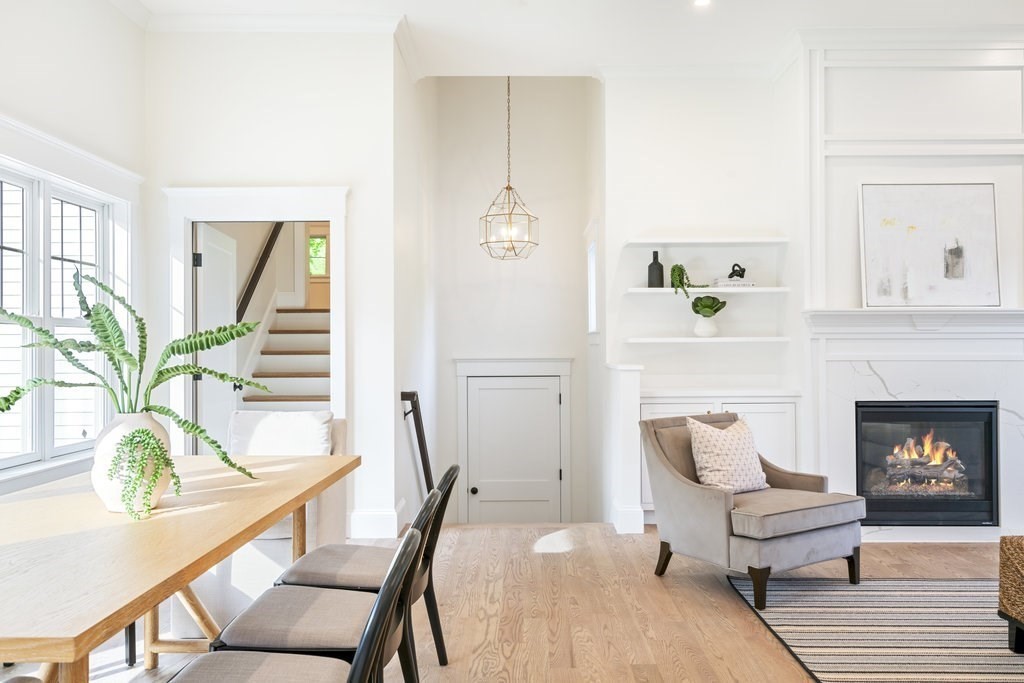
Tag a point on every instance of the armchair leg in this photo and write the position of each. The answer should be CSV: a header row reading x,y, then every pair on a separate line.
x,y
853,564
759,577
664,555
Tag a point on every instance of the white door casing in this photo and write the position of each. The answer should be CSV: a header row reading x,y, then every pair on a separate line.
x,y
215,292
540,380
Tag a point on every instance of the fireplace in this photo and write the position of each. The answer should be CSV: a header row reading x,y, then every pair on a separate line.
x,y
928,463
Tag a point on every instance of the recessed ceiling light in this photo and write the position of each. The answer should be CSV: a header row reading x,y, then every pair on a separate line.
x,y
701,3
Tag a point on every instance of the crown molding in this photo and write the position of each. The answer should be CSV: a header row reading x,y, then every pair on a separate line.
x,y
272,23
56,143
963,37
407,48
134,10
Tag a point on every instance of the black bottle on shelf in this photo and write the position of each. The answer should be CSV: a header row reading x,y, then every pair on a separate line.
x,y
655,273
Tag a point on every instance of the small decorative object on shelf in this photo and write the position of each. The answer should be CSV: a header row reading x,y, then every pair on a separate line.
x,y
706,307
681,280
655,273
737,271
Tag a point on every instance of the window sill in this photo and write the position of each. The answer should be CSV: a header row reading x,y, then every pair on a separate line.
x,y
39,473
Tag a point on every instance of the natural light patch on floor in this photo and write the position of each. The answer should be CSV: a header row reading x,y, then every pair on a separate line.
x,y
555,542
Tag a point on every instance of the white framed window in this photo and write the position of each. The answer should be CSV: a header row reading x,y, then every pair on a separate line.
x,y
48,230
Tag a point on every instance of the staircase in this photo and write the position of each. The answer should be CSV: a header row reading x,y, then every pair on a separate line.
x,y
295,362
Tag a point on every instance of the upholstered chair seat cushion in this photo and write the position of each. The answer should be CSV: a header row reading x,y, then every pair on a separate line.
x,y
300,619
359,567
262,667
771,513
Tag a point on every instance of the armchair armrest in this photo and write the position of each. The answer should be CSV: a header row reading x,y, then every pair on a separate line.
x,y
692,518
785,479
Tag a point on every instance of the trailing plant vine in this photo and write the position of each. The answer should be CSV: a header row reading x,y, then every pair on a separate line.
x,y
681,280
139,450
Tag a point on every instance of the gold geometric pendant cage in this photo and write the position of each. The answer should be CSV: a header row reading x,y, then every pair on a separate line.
x,y
509,230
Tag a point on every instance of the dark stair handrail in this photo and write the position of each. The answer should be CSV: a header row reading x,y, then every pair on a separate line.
x,y
257,272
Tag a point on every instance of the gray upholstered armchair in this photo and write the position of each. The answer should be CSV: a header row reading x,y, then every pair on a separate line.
x,y
793,523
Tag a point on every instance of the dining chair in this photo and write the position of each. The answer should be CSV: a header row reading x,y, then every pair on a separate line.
x,y
367,666
363,568
317,621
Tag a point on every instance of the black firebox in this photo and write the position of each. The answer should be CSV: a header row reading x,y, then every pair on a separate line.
x,y
928,463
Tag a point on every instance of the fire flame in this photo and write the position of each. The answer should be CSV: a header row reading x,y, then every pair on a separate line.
x,y
937,452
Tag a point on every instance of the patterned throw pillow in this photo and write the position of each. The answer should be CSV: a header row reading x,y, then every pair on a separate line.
x,y
726,458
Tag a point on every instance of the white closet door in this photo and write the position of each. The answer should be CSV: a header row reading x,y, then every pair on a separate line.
x,y
514,453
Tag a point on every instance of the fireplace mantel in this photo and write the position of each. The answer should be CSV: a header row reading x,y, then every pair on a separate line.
x,y
959,322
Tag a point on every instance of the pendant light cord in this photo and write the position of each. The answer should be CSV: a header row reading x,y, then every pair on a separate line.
x,y
508,130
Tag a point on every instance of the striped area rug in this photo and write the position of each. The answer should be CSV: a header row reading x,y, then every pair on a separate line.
x,y
891,630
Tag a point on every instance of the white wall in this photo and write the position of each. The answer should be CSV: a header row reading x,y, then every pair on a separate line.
x,y
690,156
519,309
237,109
415,366
74,69
249,239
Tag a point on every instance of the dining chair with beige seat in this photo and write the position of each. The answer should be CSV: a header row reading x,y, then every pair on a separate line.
x,y
359,567
326,622
374,650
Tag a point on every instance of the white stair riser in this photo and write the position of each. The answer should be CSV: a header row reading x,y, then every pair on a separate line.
x,y
286,405
303,321
298,341
294,364
294,386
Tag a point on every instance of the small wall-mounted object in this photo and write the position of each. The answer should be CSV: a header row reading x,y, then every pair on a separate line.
x,y
656,273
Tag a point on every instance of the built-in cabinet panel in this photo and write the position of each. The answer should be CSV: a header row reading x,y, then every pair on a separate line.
x,y
773,423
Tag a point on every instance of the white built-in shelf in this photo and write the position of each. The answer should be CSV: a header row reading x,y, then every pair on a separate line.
x,y
704,340
707,241
698,291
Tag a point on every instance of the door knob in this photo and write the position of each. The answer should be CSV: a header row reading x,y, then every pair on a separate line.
x,y
474,490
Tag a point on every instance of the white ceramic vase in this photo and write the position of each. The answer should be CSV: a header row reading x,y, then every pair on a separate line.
x,y
705,327
109,490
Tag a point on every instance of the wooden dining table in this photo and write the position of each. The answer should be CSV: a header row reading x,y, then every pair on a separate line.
x,y
73,575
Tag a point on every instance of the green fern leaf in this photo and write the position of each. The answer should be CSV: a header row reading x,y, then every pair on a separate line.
x,y
204,341
107,329
140,324
7,402
83,303
192,429
172,371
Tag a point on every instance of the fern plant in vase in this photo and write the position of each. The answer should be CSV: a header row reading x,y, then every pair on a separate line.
x,y
132,467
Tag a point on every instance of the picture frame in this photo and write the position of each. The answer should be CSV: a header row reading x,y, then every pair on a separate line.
x,y
929,245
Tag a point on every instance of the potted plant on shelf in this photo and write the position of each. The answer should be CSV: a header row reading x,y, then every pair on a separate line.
x,y
681,280
132,467
706,307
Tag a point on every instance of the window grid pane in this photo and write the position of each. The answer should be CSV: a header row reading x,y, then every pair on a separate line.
x,y
12,244
15,434
72,247
318,256
75,412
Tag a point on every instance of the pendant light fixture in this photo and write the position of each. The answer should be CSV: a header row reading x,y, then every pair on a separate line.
x,y
509,230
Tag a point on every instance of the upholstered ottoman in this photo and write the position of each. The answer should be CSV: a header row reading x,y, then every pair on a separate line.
x,y
1011,588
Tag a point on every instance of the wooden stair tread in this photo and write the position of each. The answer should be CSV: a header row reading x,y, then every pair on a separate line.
x,y
289,374
278,330
303,310
285,398
295,352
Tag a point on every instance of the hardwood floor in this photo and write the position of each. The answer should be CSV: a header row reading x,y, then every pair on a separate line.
x,y
581,603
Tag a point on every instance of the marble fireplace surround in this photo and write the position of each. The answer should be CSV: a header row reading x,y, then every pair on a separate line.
x,y
916,355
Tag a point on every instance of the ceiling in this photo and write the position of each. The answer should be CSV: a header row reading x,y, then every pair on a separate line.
x,y
579,37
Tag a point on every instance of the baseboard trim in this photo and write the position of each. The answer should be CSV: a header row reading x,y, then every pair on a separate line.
x,y
370,523
628,519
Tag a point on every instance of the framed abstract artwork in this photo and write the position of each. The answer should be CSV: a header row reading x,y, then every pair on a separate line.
x,y
929,245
